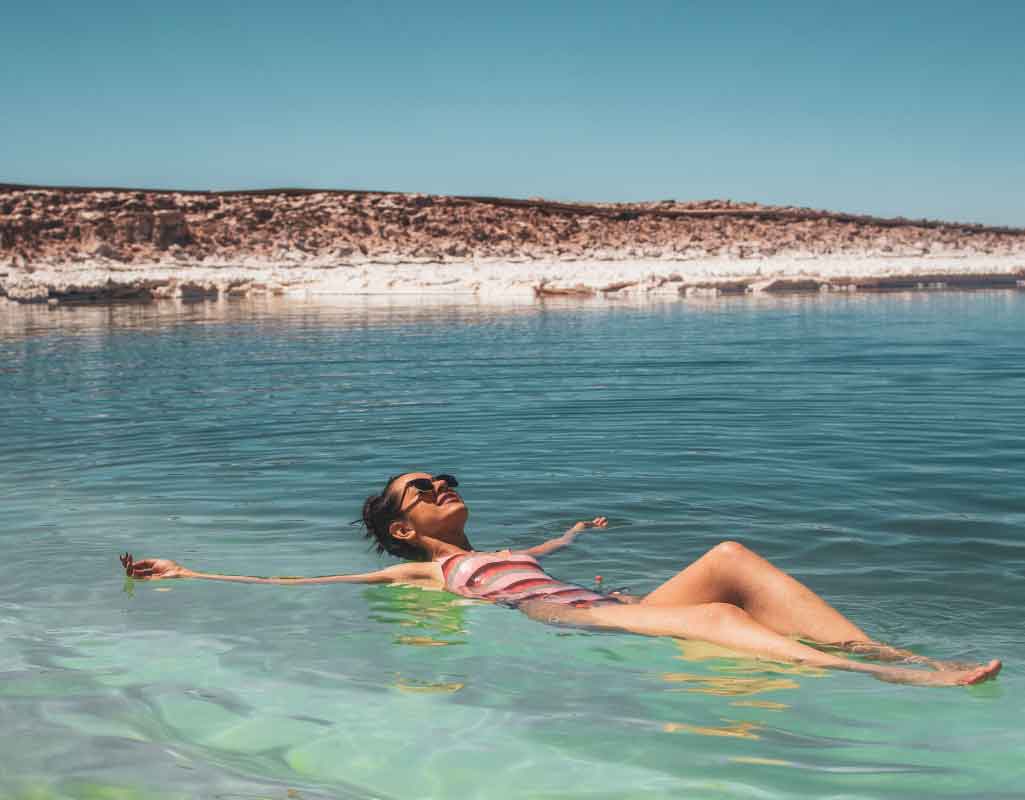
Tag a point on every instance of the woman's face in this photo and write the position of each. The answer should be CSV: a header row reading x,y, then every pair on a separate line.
x,y
438,512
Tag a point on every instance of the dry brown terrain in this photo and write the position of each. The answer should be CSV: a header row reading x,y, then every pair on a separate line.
x,y
89,237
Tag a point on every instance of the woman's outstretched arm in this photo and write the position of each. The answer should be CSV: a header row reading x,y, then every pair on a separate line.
x,y
160,568
561,541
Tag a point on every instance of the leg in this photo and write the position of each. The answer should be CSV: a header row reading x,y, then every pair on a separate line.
x,y
732,627
730,573
884,652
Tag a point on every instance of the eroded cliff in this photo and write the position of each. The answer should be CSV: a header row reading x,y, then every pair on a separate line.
x,y
63,242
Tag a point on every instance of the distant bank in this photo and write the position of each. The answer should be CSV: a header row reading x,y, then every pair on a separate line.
x,y
61,244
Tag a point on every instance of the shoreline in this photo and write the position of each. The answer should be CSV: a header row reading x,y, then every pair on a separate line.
x,y
696,277
513,280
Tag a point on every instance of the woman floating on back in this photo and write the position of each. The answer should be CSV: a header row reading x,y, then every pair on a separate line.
x,y
730,596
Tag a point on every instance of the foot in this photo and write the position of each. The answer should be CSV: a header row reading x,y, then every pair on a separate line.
x,y
948,677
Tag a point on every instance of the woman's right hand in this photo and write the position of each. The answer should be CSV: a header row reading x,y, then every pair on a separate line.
x,y
152,569
597,522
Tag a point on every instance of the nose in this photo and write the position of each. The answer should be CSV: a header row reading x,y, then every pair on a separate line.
x,y
440,485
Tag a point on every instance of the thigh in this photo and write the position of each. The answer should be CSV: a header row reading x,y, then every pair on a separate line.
x,y
679,621
600,615
707,580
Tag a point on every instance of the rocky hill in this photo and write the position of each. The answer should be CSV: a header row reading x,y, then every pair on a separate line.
x,y
80,235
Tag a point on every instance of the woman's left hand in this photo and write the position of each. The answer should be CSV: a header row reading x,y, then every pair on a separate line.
x,y
154,569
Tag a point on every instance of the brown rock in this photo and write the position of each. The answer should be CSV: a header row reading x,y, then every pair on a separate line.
x,y
105,250
169,228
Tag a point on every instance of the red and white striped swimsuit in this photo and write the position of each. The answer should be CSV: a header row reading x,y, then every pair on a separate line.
x,y
511,578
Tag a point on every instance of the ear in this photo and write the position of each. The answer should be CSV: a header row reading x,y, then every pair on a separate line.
x,y
401,529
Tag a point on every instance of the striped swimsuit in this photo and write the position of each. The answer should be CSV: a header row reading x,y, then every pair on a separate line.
x,y
511,579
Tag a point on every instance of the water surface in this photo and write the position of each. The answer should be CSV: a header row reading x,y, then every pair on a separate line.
x,y
874,447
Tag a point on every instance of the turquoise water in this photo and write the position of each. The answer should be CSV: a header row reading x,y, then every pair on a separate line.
x,y
875,447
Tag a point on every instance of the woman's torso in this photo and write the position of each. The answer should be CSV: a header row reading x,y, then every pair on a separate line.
x,y
510,578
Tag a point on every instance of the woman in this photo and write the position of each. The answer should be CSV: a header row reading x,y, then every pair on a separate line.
x,y
729,597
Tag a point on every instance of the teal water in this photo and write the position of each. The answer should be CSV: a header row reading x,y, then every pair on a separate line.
x,y
875,447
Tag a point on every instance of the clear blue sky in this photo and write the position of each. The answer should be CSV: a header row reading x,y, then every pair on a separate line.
x,y
913,108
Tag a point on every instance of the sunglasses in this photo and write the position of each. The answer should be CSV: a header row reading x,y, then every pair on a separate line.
x,y
427,484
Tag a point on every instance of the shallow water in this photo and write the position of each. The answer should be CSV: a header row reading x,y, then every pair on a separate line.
x,y
874,446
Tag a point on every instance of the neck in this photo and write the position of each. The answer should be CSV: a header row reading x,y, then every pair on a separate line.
x,y
436,548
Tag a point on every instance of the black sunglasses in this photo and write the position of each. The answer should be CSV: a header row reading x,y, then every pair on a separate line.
x,y
427,484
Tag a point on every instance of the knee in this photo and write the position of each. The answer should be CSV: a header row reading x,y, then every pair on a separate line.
x,y
730,550
724,613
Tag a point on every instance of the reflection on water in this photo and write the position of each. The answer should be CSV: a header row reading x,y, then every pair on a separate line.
x,y
392,311
438,617
726,685
367,310
738,730
768,704
844,769
407,685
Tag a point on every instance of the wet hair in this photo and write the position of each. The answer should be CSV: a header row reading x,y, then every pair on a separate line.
x,y
379,512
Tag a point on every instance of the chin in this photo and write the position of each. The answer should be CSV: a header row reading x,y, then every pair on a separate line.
x,y
457,511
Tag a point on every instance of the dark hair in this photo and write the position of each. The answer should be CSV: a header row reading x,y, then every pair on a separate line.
x,y
379,512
